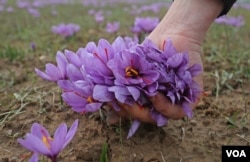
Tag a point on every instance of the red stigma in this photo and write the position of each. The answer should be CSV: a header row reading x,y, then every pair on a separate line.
x,y
106,53
163,45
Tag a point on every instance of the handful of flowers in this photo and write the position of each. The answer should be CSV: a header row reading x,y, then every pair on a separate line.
x,y
124,71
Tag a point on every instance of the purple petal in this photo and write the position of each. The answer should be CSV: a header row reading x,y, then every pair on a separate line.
x,y
73,58
102,94
159,118
74,73
66,85
195,69
90,47
71,133
169,49
61,63
93,107
134,92
121,93
59,136
44,75
135,125
34,158
83,88
175,60
105,49
150,77
171,96
34,144
53,72
39,131
119,44
75,101
187,109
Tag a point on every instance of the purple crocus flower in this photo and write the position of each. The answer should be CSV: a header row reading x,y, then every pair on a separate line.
x,y
23,4
91,12
65,30
98,55
39,140
79,95
10,9
33,46
52,72
112,27
99,17
33,12
133,69
230,20
145,25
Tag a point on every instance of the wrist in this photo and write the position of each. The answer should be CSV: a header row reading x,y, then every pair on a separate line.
x,y
188,18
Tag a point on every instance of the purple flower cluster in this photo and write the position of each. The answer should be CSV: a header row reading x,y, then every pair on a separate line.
x,y
65,30
176,77
124,71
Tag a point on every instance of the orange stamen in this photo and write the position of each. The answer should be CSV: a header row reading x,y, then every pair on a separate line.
x,y
46,139
131,72
90,99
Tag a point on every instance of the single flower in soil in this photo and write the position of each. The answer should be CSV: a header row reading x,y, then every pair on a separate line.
x,y
39,140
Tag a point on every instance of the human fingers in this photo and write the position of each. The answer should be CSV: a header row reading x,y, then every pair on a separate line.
x,y
138,112
165,107
114,116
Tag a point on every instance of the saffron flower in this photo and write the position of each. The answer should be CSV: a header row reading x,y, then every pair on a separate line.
x,y
39,140
99,17
65,30
79,95
33,46
145,25
52,72
112,27
134,73
230,20
33,12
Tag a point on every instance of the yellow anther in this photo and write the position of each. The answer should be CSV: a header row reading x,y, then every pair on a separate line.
x,y
131,72
90,99
46,141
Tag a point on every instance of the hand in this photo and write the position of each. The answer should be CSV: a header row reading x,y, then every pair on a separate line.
x,y
160,102
186,24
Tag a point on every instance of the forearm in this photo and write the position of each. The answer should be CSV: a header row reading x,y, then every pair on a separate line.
x,y
190,18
